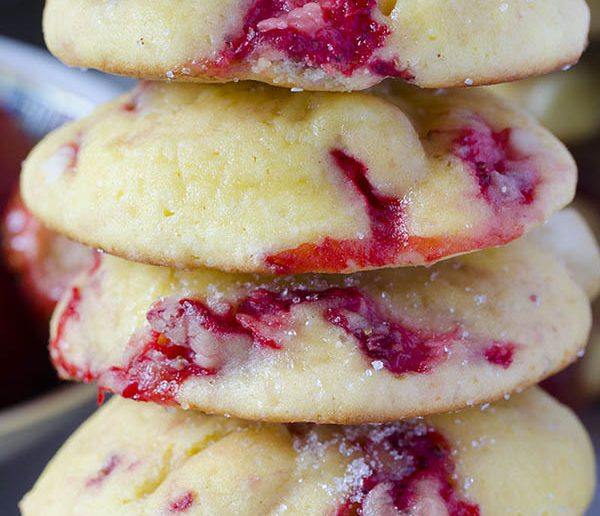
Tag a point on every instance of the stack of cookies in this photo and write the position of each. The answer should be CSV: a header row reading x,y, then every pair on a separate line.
x,y
264,259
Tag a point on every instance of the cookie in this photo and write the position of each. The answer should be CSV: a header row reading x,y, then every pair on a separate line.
x,y
529,455
569,237
44,261
369,347
250,178
565,102
579,384
588,369
319,44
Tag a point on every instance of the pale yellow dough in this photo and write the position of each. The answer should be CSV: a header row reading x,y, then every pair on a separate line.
x,y
569,237
440,43
229,176
581,382
517,294
567,103
529,455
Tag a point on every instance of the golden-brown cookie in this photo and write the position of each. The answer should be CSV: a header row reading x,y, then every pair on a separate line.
x,y
319,44
368,347
529,455
252,178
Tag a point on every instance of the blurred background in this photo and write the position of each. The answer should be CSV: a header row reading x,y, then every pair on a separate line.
x,y
37,93
22,19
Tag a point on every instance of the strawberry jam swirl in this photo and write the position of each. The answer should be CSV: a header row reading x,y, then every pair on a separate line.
x,y
387,240
69,315
404,468
506,178
334,36
186,338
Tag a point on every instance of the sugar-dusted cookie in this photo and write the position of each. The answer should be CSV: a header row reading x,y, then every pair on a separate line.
x,y
529,455
319,44
247,177
368,347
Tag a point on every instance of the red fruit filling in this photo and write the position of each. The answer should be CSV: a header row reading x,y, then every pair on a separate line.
x,y
386,342
157,372
399,348
500,354
183,503
387,240
71,150
112,462
333,35
70,313
407,469
263,319
63,160
187,339
506,176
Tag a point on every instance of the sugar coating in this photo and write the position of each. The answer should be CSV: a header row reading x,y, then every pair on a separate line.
x,y
153,460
